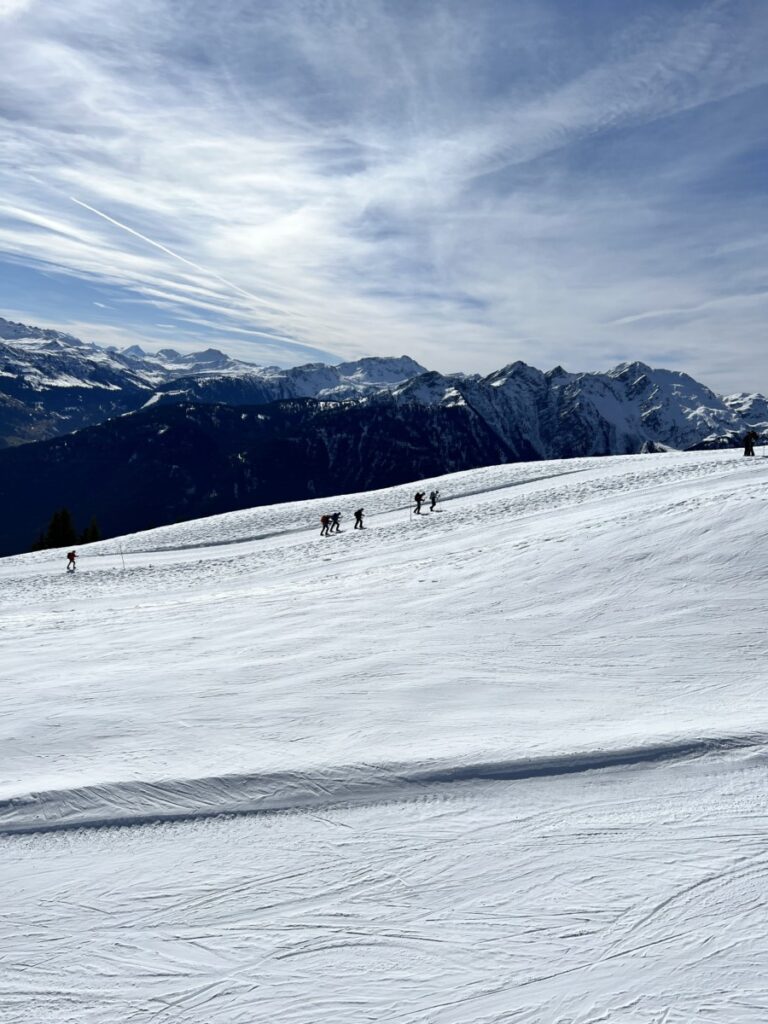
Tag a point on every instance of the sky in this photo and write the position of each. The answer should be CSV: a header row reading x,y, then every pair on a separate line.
x,y
469,182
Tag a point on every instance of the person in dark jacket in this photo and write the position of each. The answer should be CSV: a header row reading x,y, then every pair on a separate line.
x,y
71,558
325,522
359,520
335,527
418,498
749,442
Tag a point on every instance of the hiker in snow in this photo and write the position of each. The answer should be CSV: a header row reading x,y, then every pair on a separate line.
x,y
325,522
335,522
359,520
418,498
433,496
749,442
71,556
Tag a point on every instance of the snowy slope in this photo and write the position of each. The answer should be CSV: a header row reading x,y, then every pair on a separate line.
x,y
518,747
752,408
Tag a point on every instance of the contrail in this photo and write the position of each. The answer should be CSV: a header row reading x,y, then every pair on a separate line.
x,y
176,256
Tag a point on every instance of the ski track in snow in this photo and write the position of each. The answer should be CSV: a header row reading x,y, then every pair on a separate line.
x,y
551,903
505,763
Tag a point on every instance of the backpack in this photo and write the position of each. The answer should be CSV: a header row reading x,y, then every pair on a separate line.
x,y
324,520
71,555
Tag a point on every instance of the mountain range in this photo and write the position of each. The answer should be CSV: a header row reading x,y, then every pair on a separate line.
x,y
139,439
52,383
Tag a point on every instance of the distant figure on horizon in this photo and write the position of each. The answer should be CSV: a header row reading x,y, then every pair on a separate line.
x,y
325,522
335,527
749,442
418,498
433,496
71,558
359,520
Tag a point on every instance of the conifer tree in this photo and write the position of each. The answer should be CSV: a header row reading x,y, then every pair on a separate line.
x,y
91,533
61,530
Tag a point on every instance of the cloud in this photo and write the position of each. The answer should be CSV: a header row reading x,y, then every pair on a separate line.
x,y
470,185
8,8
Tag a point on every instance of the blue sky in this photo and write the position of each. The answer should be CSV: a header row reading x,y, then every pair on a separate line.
x,y
467,181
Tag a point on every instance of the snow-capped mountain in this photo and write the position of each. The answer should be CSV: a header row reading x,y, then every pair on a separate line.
x,y
46,358
52,383
752,408
532,413
260,385
560,414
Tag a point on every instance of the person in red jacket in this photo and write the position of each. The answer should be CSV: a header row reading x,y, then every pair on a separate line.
x,y
71,557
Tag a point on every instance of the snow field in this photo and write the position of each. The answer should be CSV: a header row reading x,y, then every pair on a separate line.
x,y
509,758
624,895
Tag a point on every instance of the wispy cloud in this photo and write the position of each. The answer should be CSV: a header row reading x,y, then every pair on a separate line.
x,y
470,183
8,8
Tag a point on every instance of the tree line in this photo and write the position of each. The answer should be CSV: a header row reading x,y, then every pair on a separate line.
x,y
61,531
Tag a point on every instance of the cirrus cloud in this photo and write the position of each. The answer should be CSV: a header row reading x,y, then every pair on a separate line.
x,y
470,183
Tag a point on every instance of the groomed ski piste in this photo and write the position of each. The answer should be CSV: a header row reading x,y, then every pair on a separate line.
x,y
505,762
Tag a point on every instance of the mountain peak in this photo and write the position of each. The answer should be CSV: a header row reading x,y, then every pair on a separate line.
x,y
558,372
381,369
12,331
627,369
518,370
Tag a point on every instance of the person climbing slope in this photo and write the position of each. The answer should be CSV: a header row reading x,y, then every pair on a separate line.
x,y
335,527
359,520
433,496
71,558
325,522
418,498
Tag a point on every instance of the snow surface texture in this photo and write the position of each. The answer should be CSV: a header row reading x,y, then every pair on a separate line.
x,y
505,762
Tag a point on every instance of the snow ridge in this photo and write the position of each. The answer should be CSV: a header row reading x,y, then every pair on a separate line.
x,y
125,804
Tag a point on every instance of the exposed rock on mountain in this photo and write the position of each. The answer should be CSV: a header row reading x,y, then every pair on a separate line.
x,y
559,414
